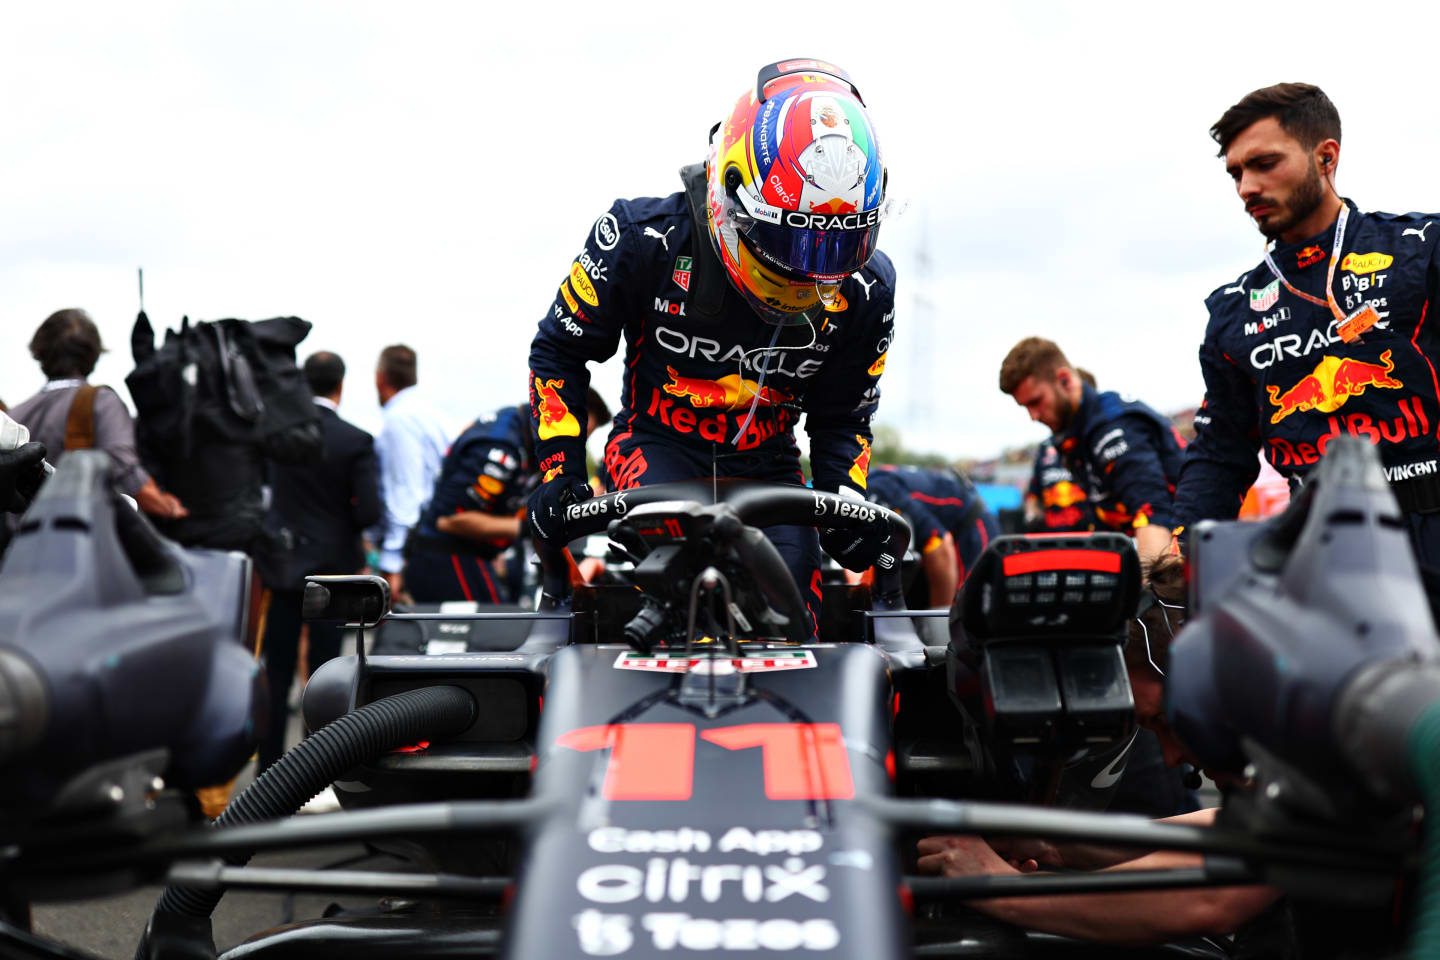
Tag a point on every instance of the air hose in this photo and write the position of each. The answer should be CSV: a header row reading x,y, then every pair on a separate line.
x,y
1423,748
430,713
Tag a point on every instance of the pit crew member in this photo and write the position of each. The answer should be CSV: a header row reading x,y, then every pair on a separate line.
x,y
1124,455
1328,335
951,523
753,295
476,510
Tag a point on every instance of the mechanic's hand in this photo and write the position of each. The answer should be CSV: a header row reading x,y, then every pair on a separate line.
x,y
547,503
1028,854
859,548
967,856
21,473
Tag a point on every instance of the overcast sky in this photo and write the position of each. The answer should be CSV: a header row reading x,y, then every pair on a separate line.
x,y
425,172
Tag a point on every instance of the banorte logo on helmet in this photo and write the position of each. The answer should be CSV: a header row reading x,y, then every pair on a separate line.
x,y
795,189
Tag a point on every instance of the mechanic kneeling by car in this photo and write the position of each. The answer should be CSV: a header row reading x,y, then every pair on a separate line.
x,y
1265,924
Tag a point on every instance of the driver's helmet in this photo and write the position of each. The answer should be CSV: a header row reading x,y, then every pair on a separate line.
x,y
796,189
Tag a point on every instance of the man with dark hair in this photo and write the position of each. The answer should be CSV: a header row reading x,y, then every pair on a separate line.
x,y
1124,455
325,373
1327,336
325,504
478,506
70,414
410,446
397,367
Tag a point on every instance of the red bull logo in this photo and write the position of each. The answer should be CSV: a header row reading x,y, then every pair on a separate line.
x,y
1333,382
731,392
860,469
1307,256
556,420
832,206
1066,493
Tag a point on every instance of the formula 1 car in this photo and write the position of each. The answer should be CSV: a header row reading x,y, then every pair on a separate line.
x,y
673,766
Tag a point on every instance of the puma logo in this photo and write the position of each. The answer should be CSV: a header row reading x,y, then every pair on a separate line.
x,y
859,278
1237,289
1411,231
662,237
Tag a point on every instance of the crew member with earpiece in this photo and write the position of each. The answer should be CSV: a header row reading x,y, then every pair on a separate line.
x,y
1329,335
752,296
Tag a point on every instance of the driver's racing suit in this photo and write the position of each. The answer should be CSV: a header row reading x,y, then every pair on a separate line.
x,y
696,357
1279,377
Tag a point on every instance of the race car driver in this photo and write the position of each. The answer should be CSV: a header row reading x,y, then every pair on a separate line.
x,y
951,523
1328,335
475,511
1124,455
753,295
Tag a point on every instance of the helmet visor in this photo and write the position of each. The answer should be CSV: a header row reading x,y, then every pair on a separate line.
x,y
808,246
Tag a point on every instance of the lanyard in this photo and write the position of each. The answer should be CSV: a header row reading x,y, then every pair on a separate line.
x,y
1329,300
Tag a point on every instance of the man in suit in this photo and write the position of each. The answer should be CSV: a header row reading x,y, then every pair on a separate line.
x,y
324,505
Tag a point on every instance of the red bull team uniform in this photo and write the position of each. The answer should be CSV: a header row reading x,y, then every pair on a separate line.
x,y
1054,495
490,467
1125,456
1285,376
697,359
937,502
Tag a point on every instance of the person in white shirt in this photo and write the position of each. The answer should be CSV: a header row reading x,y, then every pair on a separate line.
x,y
411,445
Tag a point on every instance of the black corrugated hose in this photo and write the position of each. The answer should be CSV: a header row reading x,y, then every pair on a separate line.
x,y
430,713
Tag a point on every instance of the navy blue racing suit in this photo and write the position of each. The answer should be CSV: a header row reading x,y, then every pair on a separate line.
x,y
490,467
1279,377
1125,456
937,502
696,357
1061,502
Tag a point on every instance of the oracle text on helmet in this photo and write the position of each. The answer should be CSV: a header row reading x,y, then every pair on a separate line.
x,y
835,221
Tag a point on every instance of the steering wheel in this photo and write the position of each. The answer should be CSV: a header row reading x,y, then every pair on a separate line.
x,y
757,504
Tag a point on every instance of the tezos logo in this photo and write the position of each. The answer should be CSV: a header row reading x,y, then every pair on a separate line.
x,y
862,511
589,508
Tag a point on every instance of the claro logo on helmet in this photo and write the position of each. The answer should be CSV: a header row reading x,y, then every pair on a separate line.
x,y
843,221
